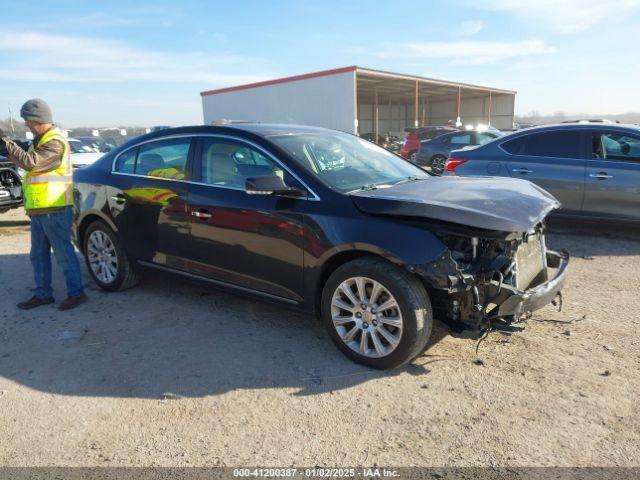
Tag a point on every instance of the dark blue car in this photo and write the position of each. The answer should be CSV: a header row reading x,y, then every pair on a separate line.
x,y
593,169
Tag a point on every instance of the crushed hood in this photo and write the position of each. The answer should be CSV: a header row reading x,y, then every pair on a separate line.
x,y
502,204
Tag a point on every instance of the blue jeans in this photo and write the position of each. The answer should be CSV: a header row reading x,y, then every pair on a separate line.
x,y
53,231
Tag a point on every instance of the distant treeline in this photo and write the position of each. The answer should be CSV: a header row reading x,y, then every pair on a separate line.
x,y
538,119
18,129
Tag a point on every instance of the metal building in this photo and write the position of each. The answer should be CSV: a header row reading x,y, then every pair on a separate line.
x,y
360,100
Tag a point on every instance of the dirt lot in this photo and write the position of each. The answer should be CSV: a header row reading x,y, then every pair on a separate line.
x,y
170,373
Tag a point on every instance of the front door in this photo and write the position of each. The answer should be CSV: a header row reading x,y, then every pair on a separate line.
x,y
147,200
554,160
251,241
613,175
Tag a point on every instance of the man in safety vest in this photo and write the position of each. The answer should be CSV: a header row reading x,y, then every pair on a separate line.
x,y
48,194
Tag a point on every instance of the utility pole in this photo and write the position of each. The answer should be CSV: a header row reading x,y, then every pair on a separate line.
x,y
13,130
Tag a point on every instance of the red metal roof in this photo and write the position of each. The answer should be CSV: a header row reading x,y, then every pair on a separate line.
x,y
306,76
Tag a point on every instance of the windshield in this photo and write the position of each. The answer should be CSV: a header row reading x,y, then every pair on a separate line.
x,y
347,162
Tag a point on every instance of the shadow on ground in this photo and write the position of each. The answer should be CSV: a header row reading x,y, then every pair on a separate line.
x,y
168,339
591,239
14,223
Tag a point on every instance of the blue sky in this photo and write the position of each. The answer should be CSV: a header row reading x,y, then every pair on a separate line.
x,y
144,63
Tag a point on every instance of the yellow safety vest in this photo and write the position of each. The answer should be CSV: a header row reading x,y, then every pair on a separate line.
x,y
55,187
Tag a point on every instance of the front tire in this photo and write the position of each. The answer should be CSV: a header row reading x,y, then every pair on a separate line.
x,y
376,313
106,260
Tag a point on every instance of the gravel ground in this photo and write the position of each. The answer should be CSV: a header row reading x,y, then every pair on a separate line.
x,y
173,374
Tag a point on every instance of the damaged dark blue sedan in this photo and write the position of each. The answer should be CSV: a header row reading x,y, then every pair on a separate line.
x,y
323,220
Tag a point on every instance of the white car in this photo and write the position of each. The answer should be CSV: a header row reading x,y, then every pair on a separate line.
x,y
82,154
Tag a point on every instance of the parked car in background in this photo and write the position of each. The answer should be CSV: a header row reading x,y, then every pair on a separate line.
x,y
92,142
590,120
388,142
414,137
99,144
82,154
433,153
323,220
522,126
10,185
592,168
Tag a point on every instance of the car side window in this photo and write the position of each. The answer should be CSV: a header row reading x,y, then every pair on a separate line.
x,y
515,146
482,138
615,146
461,139
164,158
229,163
559,144
126,162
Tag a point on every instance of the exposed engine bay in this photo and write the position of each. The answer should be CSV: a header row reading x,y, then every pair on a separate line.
x,y
10,187
490,277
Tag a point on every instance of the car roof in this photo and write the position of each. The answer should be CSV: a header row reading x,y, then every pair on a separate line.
x,y
579,126
262,130
259,129
471,130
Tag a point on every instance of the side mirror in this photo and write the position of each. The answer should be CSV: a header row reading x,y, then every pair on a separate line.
x,y
271,185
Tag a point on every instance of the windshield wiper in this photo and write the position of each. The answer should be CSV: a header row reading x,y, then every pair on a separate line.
x,y
371,186
411,178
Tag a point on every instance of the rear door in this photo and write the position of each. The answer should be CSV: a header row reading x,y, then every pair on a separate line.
x,y
613,175
147,200
554,160
251,241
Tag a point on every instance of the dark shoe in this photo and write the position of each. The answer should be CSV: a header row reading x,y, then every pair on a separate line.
x,y
72,302
34,302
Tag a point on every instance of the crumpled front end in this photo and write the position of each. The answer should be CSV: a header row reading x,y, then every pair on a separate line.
x,y
482,280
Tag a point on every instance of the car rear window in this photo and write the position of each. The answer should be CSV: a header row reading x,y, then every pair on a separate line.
x,y
546,144
461,139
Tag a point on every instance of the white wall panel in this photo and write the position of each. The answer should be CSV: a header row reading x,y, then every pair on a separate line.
x,y
326,101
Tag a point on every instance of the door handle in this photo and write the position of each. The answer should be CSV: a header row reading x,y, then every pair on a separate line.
x,y
524,170
201,214
119,198
600,175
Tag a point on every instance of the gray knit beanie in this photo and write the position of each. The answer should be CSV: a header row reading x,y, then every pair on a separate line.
x,y
36,110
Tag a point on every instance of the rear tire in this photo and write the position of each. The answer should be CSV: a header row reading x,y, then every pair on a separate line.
x,y
401,332
106,260
438,164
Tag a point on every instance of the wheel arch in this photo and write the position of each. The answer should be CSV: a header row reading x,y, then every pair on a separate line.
x,y
338,257
85,221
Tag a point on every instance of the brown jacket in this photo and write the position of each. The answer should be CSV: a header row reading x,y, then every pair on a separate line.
x,y
44,158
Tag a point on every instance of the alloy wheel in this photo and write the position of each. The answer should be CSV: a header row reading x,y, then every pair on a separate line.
x,y
101,253
367,317
438,165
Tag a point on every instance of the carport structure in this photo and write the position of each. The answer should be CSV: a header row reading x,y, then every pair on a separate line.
x,y
362,101
388,103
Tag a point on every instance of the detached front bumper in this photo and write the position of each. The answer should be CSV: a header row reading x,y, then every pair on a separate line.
x,y
513,303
